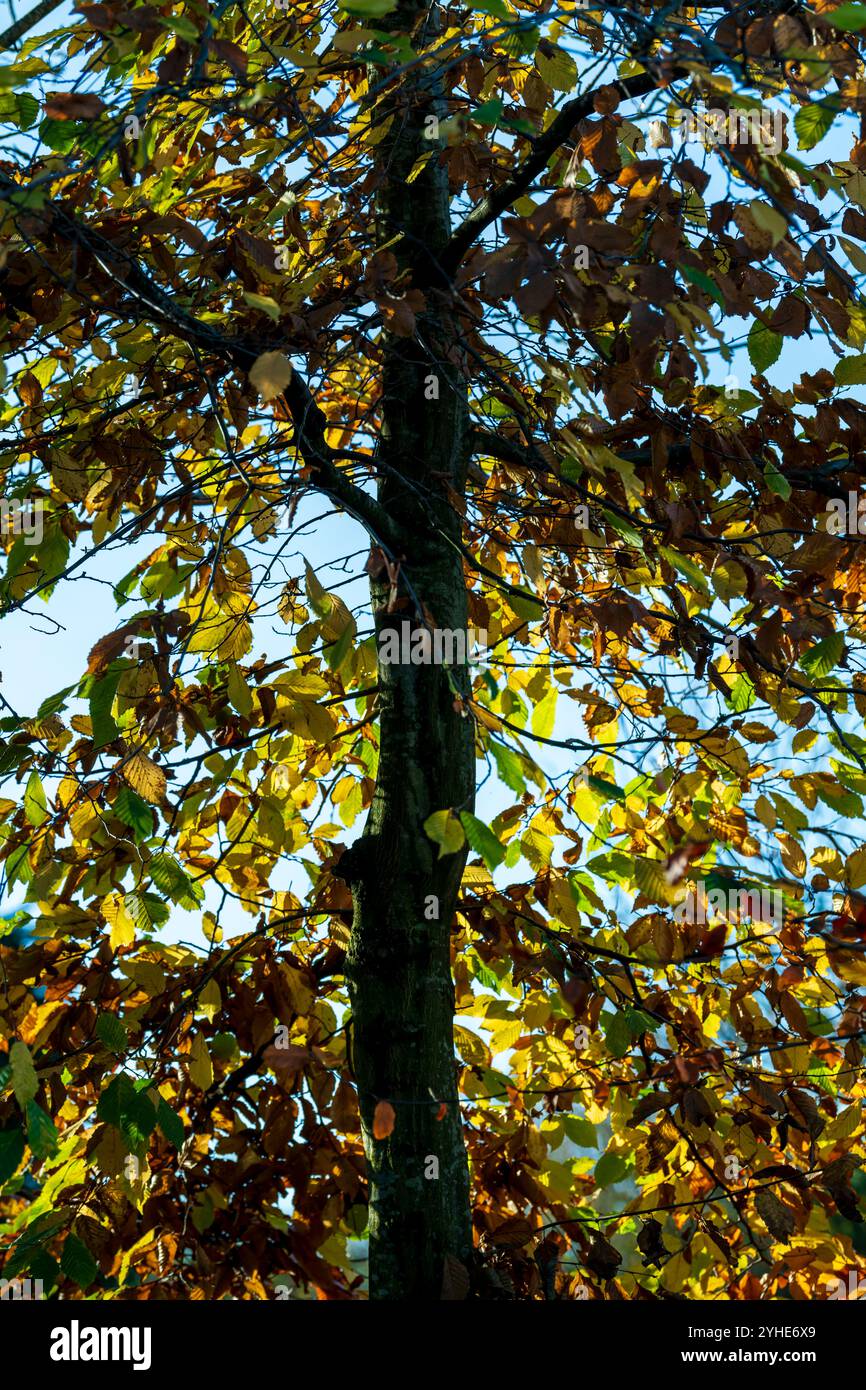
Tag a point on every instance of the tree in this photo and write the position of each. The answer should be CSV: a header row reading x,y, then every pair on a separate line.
x,y
486,281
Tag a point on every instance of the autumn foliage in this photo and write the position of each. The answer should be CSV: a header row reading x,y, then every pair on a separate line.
x,y
211,280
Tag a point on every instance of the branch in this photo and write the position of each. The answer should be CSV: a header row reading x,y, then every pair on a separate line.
x,y
544,146
10,36
308,419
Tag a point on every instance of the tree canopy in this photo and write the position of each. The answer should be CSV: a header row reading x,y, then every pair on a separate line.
x,y
540,969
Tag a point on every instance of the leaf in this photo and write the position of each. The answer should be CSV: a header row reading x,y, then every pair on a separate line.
x,y
617,1035
778,1219
544,714
11,1152
742,695
764,346
812,122
270,374
77,1262
145,777
456,1282
134,812
111,1031
25,1082
121,921
509,765
769,220
703,281
849,16
102,693
73,106
170,1123
556,67
820,660
35,804
851,371
445,830
260,374
384,1118
41,1131
199,1064
776,481
482,840
473,1050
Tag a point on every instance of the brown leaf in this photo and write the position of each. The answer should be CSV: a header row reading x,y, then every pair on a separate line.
x,y
778,1219
512,1233
229,53
73,106
108,647
289,1059
29,389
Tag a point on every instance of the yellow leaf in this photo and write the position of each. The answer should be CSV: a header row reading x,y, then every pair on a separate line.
x,y
445,830
855,868
270,374
122,925
199,1064
143,775
769,220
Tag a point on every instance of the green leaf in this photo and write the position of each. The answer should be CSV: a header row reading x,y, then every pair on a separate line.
x,y
489,112
742,695
610,1169
129,807
41,1131
170,1123
849,16
11,1152
482,840
687,568
820,660
703,282
35,804
608,790
368,9
544,714
111,1031
77,1262
172,881
777,482
812,122
102,695
54,704
617,1035
851,371
509,765
25,1082
580,1131
764,346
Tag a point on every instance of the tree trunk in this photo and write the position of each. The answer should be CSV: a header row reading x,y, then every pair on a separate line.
x,y
399,966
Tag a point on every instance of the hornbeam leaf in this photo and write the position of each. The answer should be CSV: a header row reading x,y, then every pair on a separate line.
x,y
482,840
270,374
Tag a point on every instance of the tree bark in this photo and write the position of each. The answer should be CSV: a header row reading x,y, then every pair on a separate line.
x,y
398,966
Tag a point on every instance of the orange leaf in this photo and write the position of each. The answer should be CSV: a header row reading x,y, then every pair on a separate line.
x,y
383,1120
